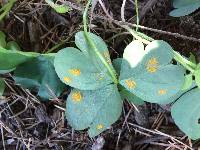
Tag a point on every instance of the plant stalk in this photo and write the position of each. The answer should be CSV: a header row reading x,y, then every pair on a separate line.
x,y
92,44
6,8
137,14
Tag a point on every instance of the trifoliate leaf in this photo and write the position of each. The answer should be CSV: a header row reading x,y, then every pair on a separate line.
x,y
149,73
78,71
96,109
186,113
39,74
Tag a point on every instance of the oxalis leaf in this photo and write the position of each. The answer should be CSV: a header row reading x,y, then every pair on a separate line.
x,y
82,43
188,82
10,59
186,113
77,69
149,74
39,74
184,7
125,94
96,109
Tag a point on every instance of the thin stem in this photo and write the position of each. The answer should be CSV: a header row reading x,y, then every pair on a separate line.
x,y
135,35
92,44
184,62
137,14
6,8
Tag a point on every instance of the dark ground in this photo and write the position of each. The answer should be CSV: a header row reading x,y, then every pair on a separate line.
x,y
28,123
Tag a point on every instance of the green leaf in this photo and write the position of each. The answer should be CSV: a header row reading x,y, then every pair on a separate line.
x,y
10,59
58,8
192,58
2,39
82,43
186,113
149,73
2,86
197,77
39,73
117,64
184,7
77,70
125,94
96,109
188,82
6,71
12,45
183,3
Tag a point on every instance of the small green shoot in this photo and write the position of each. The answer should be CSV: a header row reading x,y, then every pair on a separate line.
x,y
57,7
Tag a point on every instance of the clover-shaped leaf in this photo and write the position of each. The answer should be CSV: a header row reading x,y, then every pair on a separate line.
x,y
184,7
186,113
149,73
78,71
39,74
96,109
83,69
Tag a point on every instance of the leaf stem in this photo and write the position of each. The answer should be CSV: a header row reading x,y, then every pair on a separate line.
x,y
6,8
92,44
137,14
184,62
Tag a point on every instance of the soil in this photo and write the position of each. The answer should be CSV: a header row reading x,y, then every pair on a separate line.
x,y
28,123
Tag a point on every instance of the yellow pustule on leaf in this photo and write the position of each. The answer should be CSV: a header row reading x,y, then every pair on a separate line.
x,y
75,72
99,126
76,96
67,79
162,92
152,65
130,83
